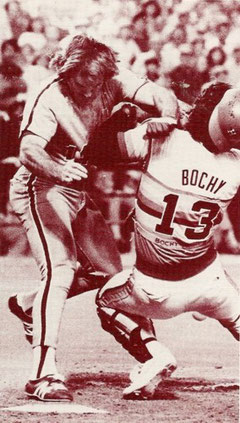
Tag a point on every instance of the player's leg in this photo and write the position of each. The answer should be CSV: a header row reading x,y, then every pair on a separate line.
x,y
230,316
117,302
220,299
97,256
47,219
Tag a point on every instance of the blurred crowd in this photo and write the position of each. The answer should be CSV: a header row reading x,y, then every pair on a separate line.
x,y
180,44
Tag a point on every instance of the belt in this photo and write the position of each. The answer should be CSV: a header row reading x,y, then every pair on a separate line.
x,y
176,271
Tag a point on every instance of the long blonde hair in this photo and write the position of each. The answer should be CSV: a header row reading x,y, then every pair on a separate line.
x,y
86,55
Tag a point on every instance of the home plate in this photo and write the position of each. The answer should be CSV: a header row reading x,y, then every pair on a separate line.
x,y
54,408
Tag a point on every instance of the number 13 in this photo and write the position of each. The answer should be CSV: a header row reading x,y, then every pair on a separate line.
x,y
207,221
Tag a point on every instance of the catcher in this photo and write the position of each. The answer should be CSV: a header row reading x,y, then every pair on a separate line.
x,y
189,179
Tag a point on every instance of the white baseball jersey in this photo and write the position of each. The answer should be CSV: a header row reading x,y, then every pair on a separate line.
x,y
183,193
51,114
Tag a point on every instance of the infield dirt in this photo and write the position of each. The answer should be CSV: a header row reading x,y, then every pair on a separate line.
x,y
204,387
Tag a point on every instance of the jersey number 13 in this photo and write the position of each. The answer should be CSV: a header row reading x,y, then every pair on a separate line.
x,y
205,222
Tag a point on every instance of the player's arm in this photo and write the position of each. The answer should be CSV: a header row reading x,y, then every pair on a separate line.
x,y
134,144
34,157
156,100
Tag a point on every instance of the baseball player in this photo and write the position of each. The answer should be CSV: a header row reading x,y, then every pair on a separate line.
x,y
189,179
48,192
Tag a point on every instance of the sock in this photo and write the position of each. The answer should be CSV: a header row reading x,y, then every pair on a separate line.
x,y
161,352
44,362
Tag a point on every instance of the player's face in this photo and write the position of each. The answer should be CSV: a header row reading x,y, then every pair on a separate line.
x,y
86,88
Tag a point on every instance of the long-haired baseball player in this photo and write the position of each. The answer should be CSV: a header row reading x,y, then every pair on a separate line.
x,y
189,179
48,192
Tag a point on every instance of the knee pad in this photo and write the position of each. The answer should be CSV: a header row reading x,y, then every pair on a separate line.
x,y
233,327
126,329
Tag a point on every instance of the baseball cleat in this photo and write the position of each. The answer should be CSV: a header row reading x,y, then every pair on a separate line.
x,y
25,318
48,388
136,370
146,378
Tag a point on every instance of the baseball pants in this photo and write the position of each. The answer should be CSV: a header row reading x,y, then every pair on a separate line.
x,y
56,221
211,292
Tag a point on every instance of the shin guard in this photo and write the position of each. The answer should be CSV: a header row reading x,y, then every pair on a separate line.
x,y
126,329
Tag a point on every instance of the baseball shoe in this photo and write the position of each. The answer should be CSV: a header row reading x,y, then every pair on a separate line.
x,y
25,318
145,378
48,388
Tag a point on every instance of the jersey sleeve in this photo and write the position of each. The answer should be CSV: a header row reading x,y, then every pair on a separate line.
x,y
151,97
38,118
132,145
129,83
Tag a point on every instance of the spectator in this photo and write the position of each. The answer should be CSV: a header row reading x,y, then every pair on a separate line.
x,y
216,64
222,31
125,46
215,57
6,32
36,40
154,20
153,70
38,25
11,82
36,71
233,66
185,80
11,87
140,33
170,52
19,20
28,54
199,52
53,35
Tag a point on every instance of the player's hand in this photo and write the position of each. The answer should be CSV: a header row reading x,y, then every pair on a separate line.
x,y
158,129
73,171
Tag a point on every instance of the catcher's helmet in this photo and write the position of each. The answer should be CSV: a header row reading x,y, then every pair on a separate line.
x,y
224,123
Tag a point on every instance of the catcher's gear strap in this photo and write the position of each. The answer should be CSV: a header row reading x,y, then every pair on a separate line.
x,y
126,330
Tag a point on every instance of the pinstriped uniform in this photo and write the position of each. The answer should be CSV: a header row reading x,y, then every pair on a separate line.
x,y
49,211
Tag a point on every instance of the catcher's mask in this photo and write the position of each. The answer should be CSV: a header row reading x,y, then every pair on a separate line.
x,y
199,116
224,123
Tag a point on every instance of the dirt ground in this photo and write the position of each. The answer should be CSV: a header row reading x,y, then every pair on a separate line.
x,y
204,387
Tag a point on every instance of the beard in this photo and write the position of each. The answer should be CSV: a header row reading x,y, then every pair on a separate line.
x,y
82,100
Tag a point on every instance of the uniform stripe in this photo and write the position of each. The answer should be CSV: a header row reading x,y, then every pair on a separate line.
x,y
142,85
149,207
35,104
47,258
44,350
